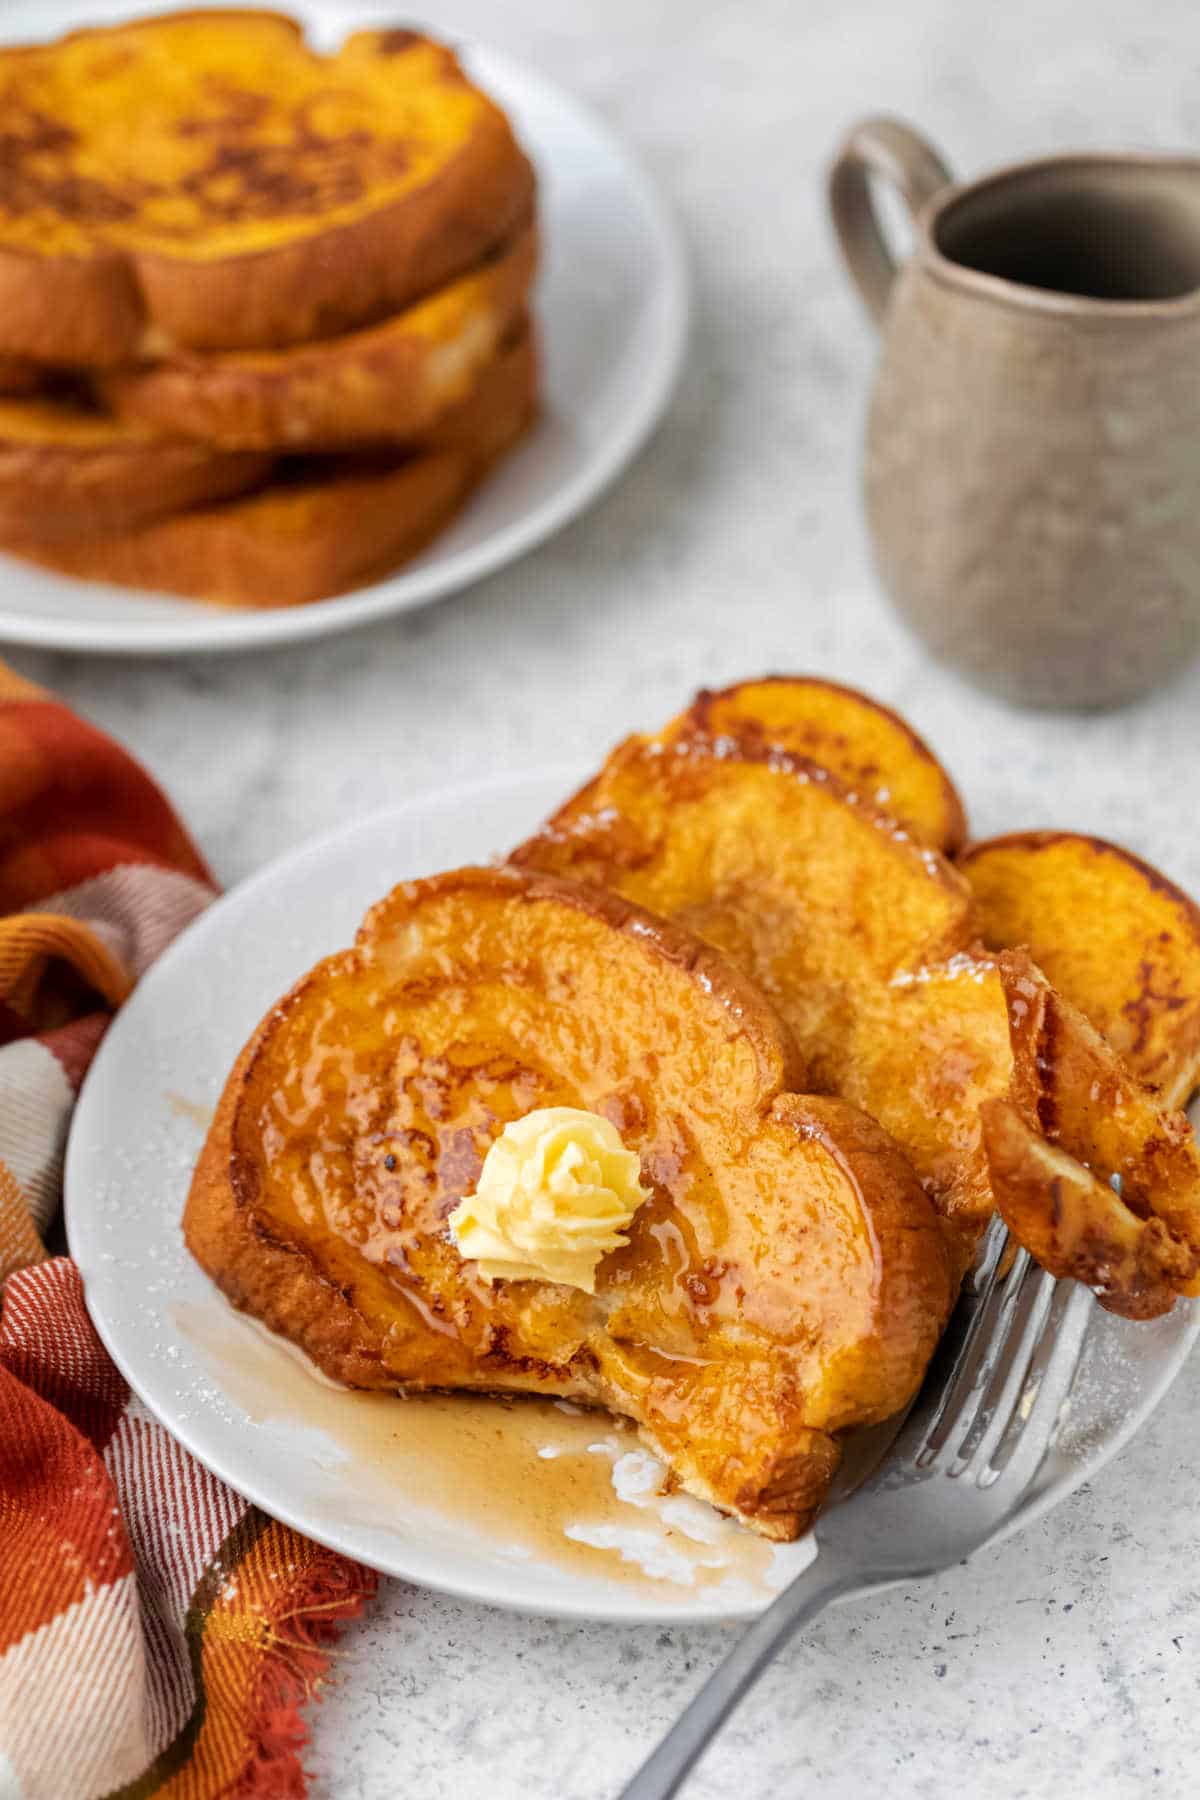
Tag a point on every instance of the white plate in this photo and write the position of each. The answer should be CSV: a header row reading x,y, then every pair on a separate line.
x,y
612,304
328,1462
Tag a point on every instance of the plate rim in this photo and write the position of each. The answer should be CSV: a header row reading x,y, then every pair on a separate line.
x,y
220,630
455,797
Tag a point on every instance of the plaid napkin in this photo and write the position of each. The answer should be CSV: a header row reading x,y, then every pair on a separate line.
x,y
157,1634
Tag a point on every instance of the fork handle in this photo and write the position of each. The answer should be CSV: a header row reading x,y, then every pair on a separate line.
x,y
824,1580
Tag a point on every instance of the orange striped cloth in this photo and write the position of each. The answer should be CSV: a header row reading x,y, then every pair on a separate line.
x,y
158,1636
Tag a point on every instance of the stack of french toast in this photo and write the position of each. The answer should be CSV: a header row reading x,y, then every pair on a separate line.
x,y
838,1038
264,315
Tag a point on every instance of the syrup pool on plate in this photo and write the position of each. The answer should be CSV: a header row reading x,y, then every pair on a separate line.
x,y
535,1479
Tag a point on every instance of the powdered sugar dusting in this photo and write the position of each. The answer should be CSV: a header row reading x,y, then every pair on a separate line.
x,y
959,967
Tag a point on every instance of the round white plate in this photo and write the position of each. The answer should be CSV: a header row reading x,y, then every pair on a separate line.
x,y
247,1405
612,305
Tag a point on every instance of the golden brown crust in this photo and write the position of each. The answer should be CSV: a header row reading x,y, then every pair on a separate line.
x,y
813,1282
282,545
69,310
390,382
871,1374
311,266
1115,937
273,1282
317,528
871,750
1076,1226
1070,1090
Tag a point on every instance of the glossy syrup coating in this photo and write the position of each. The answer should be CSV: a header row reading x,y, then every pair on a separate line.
x,y
786,1279
867,944
856,933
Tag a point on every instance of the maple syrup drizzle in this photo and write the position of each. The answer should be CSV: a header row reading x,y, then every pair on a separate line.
x,y
516,1478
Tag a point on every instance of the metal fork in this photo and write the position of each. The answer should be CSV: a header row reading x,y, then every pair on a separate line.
x,y
955,1474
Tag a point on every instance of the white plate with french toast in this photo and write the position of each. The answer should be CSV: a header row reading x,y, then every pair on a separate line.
x,y
336,393
594,1480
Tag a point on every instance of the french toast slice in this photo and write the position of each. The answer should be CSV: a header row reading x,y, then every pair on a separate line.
x,y
870,748
1113,935
68,470
1088,1233
386,382
318,525
206,178
784,1280
867,944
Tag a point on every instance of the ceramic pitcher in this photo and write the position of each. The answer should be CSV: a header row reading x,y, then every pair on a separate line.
x,y
1033,445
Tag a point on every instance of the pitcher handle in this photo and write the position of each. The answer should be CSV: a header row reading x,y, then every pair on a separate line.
x,y
889,149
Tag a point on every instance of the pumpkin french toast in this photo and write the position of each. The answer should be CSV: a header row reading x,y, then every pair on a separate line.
x,y
316,525
782,1279
208,179
387,382
867,942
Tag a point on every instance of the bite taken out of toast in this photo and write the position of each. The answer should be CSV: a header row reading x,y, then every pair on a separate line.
x,y
867,942
317,525
385,383
206,178
784,1277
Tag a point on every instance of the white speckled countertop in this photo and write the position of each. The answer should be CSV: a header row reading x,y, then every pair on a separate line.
x,y
1066,1662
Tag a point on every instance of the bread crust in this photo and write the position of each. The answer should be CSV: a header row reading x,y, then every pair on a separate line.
x,y
70,311
272,1281
67,474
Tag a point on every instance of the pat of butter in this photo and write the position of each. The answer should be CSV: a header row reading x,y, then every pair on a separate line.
x,y
555,1193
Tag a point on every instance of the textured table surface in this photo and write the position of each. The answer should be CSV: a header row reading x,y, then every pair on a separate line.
x,y
1066,1662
